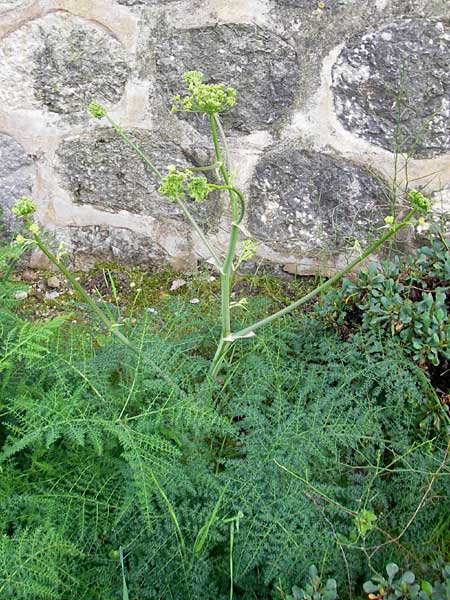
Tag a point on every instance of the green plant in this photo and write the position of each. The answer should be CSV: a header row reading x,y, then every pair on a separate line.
x,y
408,300
406,586
315,589
210,494
212,100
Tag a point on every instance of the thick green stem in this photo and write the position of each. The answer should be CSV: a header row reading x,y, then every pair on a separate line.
x,y
322,288
226,277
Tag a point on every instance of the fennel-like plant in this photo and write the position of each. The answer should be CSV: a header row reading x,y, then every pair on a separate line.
x,y
177,185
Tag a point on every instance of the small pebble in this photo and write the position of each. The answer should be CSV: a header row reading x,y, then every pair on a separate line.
x,y
51,295
29,275
194,301
177,283
53,282
21,295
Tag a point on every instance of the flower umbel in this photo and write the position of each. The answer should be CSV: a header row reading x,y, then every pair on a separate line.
x,y
198,188
97,110
172,185
175,184
34,229
248,250
24,206
204,97
418,199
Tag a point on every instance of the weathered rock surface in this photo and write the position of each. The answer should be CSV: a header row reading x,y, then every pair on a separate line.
x,y
143,2
95,242
258,63
60,63
392,86
297,66
6,5
100,169
313,4
16,173
306,201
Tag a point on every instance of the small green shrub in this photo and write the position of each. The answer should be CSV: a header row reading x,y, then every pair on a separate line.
x,y
407,300
406,586
315,589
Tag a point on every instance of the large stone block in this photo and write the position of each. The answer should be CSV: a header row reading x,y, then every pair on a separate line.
x,y
16,175
91,243
258,63
60,63
392,86
302,201
101,170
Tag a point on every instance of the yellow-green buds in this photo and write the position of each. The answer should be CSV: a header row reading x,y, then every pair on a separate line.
x,y
389,220
175,184
24,206
198,188
418,199
172,184
34,228
204,97
248,250
97,110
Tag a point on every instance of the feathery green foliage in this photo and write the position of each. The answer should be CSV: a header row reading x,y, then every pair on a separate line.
x,y
102,454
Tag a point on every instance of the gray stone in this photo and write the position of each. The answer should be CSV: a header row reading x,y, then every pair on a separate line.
x,y
16,174
61,63
51,295
93,242
303,201
311,4
259,64
21,295
100,169
392,86
6,5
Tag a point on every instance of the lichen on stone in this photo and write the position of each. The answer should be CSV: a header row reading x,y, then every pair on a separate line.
x,y
259,64
392,86
16,174
60,63
101,170
308,201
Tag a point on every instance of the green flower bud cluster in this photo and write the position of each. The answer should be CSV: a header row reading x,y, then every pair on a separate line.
x,y
24,206
97,110
248,250
177,183
418,199
204,97
198,187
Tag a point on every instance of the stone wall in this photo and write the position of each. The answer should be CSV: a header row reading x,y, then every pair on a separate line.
x,y
312,136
